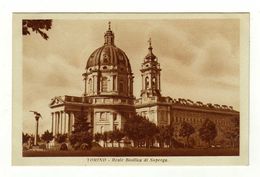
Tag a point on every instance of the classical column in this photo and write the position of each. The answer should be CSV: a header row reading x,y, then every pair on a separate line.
x,y
56,123
65,127
61,122
72,121
169,116
58,127
52,119
69,123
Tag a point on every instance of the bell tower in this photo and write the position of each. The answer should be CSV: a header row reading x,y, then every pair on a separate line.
x,y
150,72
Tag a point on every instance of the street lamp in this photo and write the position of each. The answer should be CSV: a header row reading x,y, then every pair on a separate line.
x,y
37,117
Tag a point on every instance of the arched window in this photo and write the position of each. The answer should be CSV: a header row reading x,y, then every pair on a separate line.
x,y
90,86
154,82
104,84
121,86
146,82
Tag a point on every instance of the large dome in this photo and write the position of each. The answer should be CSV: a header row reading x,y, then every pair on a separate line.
x,y
108,71
108,55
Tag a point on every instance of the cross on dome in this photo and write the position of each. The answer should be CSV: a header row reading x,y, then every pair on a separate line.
x,y
150,42
109,25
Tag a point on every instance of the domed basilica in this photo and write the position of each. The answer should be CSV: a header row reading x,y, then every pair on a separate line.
x,y
108,99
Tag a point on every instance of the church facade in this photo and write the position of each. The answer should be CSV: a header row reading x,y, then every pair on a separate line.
x,y
108,99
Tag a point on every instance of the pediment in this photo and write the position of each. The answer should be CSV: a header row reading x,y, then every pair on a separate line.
x,y
56,101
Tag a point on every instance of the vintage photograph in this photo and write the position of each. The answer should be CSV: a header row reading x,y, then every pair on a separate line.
x,y
131,85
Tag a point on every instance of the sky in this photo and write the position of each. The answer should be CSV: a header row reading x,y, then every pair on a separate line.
x,y
199,59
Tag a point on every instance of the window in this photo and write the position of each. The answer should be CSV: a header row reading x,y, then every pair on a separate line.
x,y
154,82
104,84
146,82
115,127
90,86
114,116
103,116
106,57
121,87
114,82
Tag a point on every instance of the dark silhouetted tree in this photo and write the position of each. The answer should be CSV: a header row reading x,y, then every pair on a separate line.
x,y
105,138
118,136
186,131
165,135
150,131
26,138
82,131
47,136
97,137
232,132
139,129
208,131
111,137
37,26
61,138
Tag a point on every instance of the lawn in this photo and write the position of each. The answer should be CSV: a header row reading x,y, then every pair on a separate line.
x,y
135,152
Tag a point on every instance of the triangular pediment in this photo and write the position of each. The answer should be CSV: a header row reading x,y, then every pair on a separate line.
x,y
56,101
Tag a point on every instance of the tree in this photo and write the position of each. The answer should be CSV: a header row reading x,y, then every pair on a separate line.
x,y
47,136
186,130
139,129
232,132
104,137
61,138
208,131
134,129
26,138
150,130
118,136
165,135
82,131
37,26
97,137
111,137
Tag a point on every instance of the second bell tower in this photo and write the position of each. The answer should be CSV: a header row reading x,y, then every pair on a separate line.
x,y
150,72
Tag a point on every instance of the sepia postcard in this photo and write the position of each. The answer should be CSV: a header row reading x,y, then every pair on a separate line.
x,y
130,88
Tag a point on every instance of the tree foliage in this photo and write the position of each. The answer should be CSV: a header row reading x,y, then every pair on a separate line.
x,y
81,133
61,138
139,129
104,137
116,135
111,137
47,136
97,137
186,131
232,132
26,138
165,135
37,26
208,131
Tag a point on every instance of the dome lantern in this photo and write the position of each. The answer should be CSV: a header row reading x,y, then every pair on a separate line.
x,y
109,36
